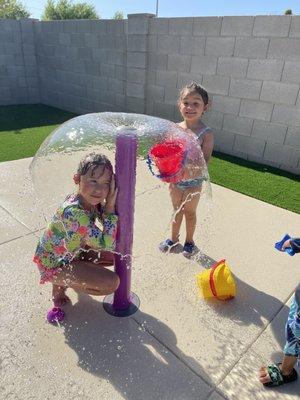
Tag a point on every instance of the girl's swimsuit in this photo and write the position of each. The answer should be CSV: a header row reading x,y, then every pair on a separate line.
x,y
71,229
191,183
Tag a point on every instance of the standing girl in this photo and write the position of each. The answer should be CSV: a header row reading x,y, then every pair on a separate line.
x,y
67,253
193,102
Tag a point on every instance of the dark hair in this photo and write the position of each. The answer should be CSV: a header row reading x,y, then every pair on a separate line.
x,y
93,160
193,87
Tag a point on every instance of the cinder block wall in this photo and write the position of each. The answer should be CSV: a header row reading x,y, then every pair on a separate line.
x,y
249,65
18,66
251,68
82,64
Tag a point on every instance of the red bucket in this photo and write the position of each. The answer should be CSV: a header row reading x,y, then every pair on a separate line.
x,y
169,157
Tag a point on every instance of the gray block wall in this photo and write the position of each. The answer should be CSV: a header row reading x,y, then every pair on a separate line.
x,y
82,64
18,66
251,68
249,65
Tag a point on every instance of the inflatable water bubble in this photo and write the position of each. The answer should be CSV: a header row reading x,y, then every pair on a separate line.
x,y
57,158
173,154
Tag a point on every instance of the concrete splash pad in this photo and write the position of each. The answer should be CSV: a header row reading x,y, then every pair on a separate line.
x,y
176,346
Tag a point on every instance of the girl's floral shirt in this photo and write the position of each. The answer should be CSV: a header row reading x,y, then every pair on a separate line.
x,y
71,229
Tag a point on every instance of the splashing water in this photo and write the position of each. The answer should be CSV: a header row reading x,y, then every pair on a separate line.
x,y
56,161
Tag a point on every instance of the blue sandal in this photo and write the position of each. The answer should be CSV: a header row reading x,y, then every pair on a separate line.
x,y
189,249
168,246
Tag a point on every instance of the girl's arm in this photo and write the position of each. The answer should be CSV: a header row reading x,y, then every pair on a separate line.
x,y
109,221
105,239
295,244
207,146
110,204
81,231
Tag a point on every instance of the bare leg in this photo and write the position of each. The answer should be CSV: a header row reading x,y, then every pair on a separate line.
x,y
83,276
59,296
286,367
89,255
101,257
176,198
191,200
288,364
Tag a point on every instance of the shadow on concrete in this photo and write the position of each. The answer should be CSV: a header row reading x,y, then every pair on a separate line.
x,y
254,307
19,117
127,355
250,307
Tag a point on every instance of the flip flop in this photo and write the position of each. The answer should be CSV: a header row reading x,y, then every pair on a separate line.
x,y
55,315
277,378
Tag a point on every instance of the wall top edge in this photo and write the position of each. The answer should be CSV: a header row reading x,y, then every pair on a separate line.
x,y
149,15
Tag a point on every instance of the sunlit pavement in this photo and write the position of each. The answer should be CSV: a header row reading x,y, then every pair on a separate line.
x,y
177,346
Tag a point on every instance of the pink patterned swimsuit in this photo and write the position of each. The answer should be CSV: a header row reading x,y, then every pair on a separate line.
x,y
71,229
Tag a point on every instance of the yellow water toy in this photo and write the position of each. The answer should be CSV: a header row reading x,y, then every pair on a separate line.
x,y
217,282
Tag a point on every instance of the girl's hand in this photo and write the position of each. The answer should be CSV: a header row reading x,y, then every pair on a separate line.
x,y
286,244
110,205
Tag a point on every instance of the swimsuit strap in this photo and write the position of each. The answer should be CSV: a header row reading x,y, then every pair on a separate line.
x,y
203,130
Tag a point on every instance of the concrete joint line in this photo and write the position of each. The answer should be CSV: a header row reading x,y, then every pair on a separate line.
x,y
255,339
21,236
16,219
218,392
290,27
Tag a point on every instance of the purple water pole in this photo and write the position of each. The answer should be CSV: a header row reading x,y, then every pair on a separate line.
x,y
124,302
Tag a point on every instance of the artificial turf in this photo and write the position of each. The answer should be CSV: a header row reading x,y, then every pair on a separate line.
x,y
262,182
24,127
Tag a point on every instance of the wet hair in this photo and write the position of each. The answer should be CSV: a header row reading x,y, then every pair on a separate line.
x,y
93,161
192,88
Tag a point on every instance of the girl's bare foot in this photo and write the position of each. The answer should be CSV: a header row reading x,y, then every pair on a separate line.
x,y
59,296
263,375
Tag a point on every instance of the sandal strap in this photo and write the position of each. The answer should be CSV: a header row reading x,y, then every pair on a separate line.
x,y
275,374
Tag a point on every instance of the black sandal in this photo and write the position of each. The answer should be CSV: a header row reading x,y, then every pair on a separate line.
x,y
277,377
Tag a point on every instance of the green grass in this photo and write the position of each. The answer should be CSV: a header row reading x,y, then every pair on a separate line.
x,y
23,129
262,182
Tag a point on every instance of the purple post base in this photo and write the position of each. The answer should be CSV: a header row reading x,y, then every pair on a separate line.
x,y
123,302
